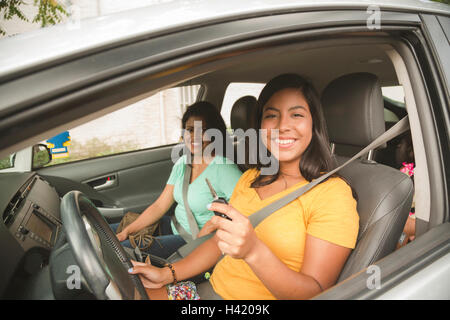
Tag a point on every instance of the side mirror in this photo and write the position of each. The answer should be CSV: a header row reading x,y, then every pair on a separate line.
x,y
41,155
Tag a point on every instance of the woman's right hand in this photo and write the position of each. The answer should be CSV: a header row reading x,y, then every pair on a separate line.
x,y
236,238
151,277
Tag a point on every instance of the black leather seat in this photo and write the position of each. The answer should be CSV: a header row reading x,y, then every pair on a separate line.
x,y
242,117
353,108
242,113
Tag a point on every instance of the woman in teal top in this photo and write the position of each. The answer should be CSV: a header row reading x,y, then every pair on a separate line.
x,y
223,175
221,172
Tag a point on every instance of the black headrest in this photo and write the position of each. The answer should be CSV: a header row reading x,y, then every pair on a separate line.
x,y
243,113
353,109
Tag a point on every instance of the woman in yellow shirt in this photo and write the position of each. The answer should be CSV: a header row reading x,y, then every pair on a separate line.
x,y
298,251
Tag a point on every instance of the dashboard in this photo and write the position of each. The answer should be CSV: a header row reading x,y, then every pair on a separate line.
x,y
34,253
29,228
32,215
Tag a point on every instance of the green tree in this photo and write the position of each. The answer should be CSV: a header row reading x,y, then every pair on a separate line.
x,y
5,163
442,1
49,12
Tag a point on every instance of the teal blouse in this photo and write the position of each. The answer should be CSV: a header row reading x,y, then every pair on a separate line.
x,y
223,175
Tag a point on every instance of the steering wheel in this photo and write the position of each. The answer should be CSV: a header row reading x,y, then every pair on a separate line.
x,y
102,260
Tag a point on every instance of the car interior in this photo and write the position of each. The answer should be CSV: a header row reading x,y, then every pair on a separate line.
x,y
348,73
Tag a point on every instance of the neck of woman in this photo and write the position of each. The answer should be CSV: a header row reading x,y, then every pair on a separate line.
x,y
201,160
291,170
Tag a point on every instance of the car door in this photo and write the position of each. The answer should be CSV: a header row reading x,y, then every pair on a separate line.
x,y
421,269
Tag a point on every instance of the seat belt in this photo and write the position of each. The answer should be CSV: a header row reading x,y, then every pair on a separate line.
x,y
190,217
257,217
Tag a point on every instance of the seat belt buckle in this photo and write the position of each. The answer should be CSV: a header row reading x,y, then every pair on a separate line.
x,y
138,254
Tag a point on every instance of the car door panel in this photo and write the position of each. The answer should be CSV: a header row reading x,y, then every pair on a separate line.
x,y
394,272
139,176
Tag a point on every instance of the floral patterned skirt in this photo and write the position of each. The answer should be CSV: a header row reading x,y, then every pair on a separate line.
x,y
185,290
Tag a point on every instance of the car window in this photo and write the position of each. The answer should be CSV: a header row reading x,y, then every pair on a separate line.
x,y
396,97
389,116
394,93
236,90
7,162
148,123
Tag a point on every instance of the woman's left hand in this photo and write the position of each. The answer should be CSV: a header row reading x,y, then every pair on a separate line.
x,y
151,277
236,238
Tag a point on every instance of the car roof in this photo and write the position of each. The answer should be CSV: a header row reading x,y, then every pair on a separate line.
x,y
58,42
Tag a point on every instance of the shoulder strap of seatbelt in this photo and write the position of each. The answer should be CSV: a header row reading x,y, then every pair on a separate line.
x,y
190,217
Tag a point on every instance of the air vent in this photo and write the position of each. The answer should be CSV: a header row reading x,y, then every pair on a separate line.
x,y
16,203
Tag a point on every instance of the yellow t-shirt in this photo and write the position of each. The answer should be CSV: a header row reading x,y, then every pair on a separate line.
x,y
328,212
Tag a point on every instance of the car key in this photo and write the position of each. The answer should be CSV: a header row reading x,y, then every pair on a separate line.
x,y
217,199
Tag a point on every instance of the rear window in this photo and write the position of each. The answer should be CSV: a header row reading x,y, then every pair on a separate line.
x,y
236,90
396,96
394,93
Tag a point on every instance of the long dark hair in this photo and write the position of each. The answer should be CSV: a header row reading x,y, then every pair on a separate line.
x,y
211,120
317,157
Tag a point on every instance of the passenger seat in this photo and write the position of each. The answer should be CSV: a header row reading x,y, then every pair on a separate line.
x,y
353,109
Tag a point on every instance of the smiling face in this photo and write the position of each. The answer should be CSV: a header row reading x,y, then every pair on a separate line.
x,y
193,135
287,118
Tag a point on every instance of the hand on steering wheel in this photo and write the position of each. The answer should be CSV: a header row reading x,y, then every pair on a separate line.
x,y
96,249
151,277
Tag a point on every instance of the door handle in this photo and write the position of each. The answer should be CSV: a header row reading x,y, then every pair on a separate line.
x,y
102,183
107,184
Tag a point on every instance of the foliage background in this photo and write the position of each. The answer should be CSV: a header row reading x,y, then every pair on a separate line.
x,y
50,12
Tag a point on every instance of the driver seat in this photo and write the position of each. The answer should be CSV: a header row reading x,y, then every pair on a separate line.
x,y
242,117
353,109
